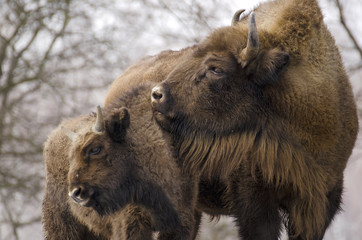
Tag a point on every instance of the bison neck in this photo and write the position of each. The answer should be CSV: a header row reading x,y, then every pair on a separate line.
x,y
266,150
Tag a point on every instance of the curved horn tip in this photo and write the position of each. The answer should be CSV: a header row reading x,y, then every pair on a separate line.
x,y
253,38
252,45
99,124
236,16
99,109
252,16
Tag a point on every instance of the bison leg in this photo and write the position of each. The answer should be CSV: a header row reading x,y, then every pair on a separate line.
x,y
255,209
179,233
197,218
188,228
334,203
211,197
190,218
333,206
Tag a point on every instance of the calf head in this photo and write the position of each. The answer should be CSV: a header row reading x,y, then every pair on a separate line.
x,y
99,162
105,173
220,86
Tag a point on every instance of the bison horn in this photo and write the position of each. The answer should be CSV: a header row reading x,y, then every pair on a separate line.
x,y
252,46
99,125
70,134
236,17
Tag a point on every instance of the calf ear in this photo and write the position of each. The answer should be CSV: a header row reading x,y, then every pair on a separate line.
x,y
117,124
267,67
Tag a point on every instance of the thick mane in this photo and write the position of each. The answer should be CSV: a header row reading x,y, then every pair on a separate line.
x,y
270,151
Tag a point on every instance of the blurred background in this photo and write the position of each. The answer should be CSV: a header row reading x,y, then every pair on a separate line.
x,y
58,57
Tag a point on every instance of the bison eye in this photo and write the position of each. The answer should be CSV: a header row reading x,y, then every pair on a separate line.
x,y
95,151
216,70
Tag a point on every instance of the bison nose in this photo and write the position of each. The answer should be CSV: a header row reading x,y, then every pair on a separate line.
x,y
81,195
75,194
157,94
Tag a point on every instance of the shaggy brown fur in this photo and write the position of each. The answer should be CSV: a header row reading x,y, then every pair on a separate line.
x,y
118,167
156,68
149,69
59,222
278,131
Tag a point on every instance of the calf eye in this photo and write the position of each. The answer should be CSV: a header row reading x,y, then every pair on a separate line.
x,y
95,151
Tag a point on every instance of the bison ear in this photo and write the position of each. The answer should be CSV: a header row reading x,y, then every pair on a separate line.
x,y
117,124
267,67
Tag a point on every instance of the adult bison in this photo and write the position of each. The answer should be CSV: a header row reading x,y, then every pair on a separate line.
x,y
269,113
124,160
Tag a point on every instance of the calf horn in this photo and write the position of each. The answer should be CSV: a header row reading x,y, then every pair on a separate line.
x,y
252,46
236,17
99,125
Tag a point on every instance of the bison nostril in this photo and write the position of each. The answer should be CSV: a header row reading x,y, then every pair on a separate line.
x,y
75,193
157,94
82,195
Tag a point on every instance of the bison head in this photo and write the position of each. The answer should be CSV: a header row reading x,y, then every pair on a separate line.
x,y
99,162
106,172
220,86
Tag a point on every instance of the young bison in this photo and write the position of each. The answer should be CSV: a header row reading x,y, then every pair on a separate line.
x,y
59,222
123,160
270,114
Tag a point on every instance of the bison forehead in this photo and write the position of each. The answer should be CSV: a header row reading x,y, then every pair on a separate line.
x,y
226,39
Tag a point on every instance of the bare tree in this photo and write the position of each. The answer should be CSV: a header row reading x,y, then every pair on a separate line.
x,y
57,58
22,74
49,57
348,24
342,18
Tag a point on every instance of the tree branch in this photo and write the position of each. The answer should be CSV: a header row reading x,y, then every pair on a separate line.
x,y
348,30
8,41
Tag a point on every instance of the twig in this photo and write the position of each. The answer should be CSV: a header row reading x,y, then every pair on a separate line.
x,y
348,30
